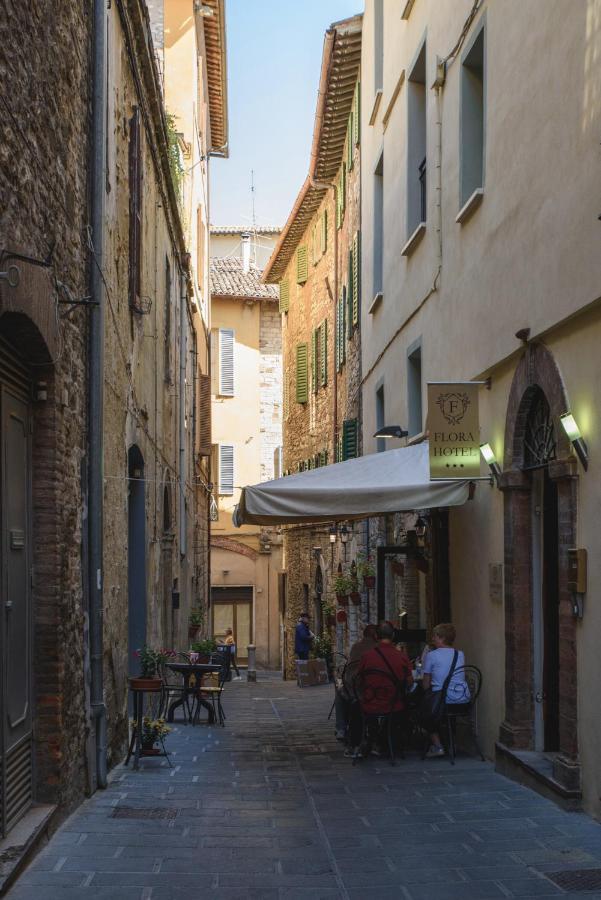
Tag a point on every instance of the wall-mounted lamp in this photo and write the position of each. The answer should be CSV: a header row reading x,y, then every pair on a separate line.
x,y
573,432
491,461
391,431
420,528
333,534
344,533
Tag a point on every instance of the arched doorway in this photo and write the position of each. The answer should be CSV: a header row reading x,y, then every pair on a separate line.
x,y
540,512
136,555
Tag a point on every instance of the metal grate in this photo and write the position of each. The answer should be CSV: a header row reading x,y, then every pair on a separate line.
x,y
577,879
153,812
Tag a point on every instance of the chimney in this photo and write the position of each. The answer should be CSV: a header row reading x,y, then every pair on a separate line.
x,y
245,238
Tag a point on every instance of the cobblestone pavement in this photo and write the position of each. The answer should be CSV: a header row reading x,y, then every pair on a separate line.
x,y
267,808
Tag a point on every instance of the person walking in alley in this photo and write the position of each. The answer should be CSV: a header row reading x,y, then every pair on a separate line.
x,y
231,643
303,637
443,668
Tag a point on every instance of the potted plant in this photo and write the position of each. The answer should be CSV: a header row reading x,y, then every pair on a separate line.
x,y
151,661
322,649
153,730
355,598
330,614
343,586
194,623
204,649
367,572
341,616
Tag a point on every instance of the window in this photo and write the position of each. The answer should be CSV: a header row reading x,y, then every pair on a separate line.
x,y
204,415
302,388
378,45
226,362
472,119
135,209
340,330
168,314
226,469
302,268
284,295
380,418
323,353
350,439
355,282
416,144
379,226
357,114
414,389
341,196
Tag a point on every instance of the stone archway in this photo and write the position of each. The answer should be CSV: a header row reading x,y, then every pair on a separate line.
x,y
537,373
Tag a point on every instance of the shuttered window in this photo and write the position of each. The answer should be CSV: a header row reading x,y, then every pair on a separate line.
x,y
356,277
314,356
350,295
286,397
226,469
226,362
349,142
340,319
302,388
350,439
284,295
324,231
337,337
204,415
357,114
323,353
302,268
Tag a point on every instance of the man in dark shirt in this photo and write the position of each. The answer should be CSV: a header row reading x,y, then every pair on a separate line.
x,y
303,637
344,696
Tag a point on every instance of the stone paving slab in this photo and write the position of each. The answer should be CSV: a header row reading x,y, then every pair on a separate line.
x,y
269,809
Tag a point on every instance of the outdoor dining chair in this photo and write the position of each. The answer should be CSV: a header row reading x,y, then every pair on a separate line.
x,y
214,693
376,687
463,709
173,687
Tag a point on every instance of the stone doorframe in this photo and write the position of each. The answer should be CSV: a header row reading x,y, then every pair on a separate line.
x,y
537,369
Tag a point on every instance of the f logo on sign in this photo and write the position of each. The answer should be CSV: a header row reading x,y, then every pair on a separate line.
x,y
453,406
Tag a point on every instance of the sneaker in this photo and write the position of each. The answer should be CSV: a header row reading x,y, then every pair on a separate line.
x,y
435,751
237,678
352,753
375,751
340,734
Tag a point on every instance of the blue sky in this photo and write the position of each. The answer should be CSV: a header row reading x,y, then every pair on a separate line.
x,y
274,52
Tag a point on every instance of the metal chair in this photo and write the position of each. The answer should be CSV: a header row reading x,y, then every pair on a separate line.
x,y
380,689
171,687
223,656
464,694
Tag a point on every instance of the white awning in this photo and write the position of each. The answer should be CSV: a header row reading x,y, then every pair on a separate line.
x,y
394,481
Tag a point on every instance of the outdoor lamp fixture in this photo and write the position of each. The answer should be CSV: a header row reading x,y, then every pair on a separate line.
x,y
573,432
420,528
391,431
333,534
344,532
491,461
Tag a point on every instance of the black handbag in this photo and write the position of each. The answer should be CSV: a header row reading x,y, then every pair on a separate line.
x,y
433,703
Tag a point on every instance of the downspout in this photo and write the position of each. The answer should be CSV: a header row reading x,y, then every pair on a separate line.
x,y
182,415
95,395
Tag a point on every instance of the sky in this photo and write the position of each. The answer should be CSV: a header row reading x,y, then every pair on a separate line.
x,y
274,50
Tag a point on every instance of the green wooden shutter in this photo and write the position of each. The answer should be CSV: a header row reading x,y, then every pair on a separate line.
x,y
302,392
338,205
285,398
284,295
350,146
324,231
323,352
356,276
350,436
350,297
342,302
357,114
314,378
337,337
302,269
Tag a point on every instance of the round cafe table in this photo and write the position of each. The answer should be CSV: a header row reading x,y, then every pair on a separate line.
x,y
186,670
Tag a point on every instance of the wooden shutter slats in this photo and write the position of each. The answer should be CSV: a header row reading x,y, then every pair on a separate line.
x,y
356,277
323,352
226,469
204,415
357,114
350,435
226,362
284,295
302,268
302,393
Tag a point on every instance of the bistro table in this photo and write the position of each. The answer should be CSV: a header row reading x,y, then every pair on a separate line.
x,y
186,670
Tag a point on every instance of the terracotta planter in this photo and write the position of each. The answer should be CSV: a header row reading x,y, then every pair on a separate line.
x,y
150,750
341,616
150,685
342,599
369,581
356,598
330,621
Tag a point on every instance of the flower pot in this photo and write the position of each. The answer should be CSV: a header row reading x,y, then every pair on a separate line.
x,y
342,599
151,685
356,598
330,621
369,581
150,750
341,616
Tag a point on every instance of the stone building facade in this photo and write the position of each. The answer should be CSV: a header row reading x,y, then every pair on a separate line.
x,y
464,209
317,265
246,563
138,278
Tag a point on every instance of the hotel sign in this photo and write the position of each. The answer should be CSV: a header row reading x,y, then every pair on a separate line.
x,y
454,430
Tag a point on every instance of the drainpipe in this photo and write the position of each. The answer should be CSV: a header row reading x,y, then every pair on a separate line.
x,y
95,399
183,330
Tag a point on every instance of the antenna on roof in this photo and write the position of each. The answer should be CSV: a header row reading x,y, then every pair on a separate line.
x,y
254,218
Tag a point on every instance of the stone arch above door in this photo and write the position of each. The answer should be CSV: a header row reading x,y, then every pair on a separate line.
x,y
537,373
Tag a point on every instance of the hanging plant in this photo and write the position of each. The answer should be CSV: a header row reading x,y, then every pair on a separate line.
x,y
341,616
343,586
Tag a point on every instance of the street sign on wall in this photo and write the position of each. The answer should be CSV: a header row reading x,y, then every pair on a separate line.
x,y
454,430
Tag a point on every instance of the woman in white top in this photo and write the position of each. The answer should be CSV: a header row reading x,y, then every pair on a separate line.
x,y
436,669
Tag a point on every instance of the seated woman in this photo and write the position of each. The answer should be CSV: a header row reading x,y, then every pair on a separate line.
x,y
437,666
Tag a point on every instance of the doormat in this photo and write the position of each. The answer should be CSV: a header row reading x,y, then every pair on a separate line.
x,y
577,879
154,812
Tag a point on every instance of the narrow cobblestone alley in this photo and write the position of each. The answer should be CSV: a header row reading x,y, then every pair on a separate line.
x,y
269,808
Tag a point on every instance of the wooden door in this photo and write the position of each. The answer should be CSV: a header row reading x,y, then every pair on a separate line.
x,y
232,608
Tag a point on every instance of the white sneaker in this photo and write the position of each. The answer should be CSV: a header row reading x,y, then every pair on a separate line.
x,y
237,678
340,734
435,751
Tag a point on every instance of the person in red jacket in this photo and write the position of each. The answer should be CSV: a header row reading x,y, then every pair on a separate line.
x,y
379,691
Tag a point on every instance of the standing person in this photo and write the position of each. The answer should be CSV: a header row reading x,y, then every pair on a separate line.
x,y
303,637
230,642
441,662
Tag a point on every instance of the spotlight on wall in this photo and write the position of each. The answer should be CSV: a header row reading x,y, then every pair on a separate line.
x,y
491,461
573,432
391,431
